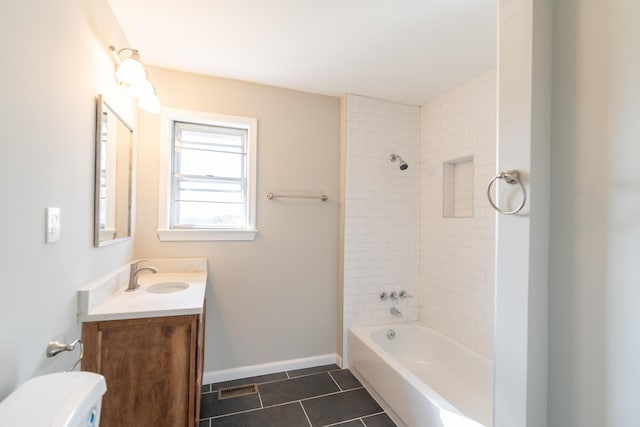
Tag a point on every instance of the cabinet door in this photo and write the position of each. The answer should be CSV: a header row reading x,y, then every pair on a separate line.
x,y
149,365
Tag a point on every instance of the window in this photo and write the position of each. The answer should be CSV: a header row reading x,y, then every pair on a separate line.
x,y
207,176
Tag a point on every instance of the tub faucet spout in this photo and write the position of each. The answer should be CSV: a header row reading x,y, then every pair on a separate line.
x,y
396,312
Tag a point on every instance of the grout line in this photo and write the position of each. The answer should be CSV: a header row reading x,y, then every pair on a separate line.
x,y
312,373
346,421
374,414
361,419
264,382
210,419
334,380
274,381
299,401
260,399
308,375
247,383
254,409
280,404
327,394
305,413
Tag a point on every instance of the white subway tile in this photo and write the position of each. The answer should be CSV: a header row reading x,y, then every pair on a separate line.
x,y
395,236
457,253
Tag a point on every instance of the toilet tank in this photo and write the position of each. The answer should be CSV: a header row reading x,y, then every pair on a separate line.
x,y
64,399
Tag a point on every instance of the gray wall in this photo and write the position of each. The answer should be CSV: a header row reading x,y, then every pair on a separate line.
x,y
594,288
275,298
269,300
55,62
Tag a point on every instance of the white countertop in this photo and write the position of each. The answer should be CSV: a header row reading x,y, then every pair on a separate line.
x,y
106,298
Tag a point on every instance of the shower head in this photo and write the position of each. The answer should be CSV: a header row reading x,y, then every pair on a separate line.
x,y
403,164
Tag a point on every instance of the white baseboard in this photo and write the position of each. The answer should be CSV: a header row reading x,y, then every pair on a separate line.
x,y
270,368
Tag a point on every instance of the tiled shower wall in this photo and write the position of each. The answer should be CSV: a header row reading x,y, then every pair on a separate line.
x,y
382,211
457,265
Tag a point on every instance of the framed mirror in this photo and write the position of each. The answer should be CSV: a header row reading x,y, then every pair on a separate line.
x,y
114,158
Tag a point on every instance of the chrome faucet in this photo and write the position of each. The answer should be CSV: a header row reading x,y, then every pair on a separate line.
x,y
134,271
396,312
394,296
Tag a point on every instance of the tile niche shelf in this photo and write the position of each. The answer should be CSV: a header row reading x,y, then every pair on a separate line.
x,y
457,188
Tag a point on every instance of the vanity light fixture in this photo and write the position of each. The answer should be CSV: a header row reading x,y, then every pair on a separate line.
x,y
131,72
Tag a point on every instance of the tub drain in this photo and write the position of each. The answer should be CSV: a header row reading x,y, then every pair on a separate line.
x,y
391,334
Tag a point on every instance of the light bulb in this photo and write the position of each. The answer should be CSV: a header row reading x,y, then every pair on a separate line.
x,y
131,71
150,104
141,89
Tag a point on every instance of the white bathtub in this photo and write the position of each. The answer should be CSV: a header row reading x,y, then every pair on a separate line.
x,y
424,377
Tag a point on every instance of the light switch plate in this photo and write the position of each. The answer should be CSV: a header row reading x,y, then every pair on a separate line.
x,y
53,225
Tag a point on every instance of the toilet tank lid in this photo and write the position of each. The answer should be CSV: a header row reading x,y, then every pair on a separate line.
x,y
56,400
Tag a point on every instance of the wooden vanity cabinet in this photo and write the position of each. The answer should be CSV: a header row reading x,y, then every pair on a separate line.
x,y
153,368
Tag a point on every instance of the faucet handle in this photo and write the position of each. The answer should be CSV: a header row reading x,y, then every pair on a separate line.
x,y
404,294
384,296
394,296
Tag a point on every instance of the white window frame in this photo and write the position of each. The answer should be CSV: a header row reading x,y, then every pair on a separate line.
x,y
167,118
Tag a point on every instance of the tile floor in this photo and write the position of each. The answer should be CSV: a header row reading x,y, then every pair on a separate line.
x,y
312,397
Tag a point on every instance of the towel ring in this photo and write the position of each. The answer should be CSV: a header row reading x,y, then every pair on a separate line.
x,y
510,177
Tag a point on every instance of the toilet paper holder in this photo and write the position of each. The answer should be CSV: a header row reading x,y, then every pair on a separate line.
x,y
55,347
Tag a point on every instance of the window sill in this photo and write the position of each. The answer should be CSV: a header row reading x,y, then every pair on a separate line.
x,y
183,235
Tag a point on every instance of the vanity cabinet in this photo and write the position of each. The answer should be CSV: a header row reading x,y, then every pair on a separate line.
x,y
153,368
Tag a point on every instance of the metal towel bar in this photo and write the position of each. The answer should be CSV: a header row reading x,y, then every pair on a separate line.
x,y
322,197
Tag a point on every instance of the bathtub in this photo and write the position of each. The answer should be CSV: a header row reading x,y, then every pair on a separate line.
x,y
425,378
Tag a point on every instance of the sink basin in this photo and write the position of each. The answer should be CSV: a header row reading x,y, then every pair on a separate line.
x,y
167,287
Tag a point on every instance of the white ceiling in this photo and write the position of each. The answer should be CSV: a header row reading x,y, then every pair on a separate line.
x,y
406,51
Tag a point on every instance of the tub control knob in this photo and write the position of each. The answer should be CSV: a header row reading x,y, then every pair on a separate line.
x,y
404,294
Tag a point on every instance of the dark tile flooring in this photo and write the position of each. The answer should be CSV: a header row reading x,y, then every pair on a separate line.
x,y
312,397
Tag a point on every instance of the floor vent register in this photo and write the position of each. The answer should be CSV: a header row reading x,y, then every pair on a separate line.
x,y
238,391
